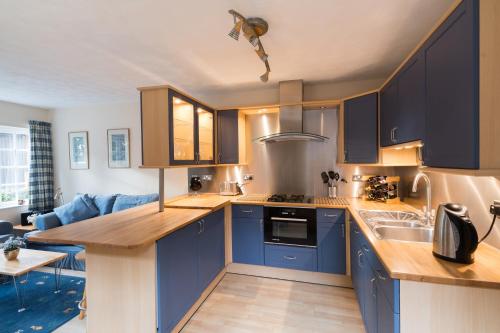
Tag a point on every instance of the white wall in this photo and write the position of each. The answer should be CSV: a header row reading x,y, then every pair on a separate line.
x,y
99,178
18,116
269,94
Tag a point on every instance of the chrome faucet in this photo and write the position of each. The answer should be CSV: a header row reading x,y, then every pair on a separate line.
x,y
428,211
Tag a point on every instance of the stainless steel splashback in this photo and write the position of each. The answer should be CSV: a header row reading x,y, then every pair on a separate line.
x,y
293,166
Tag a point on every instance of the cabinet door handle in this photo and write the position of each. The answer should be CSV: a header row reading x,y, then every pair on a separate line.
x,y
289,258
380,275
330,215
360,254
345,156
247,211
199,227
343,230
395,134
202,225
374,293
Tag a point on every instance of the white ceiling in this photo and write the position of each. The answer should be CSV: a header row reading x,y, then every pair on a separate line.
x,y
59,53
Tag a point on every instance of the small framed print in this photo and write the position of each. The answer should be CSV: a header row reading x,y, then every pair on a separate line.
x,y
119,148
78,150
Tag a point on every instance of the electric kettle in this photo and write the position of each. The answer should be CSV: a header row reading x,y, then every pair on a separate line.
x,y
455,237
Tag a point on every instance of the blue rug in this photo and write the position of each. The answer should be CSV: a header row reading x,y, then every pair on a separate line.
x,y
45,310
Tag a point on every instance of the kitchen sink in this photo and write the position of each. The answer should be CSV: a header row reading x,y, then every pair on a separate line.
x,y
404,233
397,225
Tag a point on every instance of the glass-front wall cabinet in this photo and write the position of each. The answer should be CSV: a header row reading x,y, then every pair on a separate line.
x,y
206,134
191,129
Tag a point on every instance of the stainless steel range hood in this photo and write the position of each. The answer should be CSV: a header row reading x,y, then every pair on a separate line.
x,y
290,116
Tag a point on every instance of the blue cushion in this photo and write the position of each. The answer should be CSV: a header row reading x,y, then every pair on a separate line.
x,y
47,221
128,201
81,208
104,203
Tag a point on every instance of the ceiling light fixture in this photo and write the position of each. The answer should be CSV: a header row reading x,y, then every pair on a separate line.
x,y
253,28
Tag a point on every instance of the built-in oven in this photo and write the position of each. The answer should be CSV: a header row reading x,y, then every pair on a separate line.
x,y
290,225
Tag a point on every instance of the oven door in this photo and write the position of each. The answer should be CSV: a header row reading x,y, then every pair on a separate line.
x,y
290,230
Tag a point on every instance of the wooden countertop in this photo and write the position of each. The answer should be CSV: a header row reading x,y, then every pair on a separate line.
x,y
203,201
402,260
129,228
415,261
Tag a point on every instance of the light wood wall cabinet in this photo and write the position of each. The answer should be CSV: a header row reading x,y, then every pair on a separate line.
x,y
177,130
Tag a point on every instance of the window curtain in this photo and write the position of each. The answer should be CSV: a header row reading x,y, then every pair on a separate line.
x,y
41,179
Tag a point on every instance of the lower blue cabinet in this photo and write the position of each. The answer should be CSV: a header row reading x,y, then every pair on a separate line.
x,y
187,261
248,241
177,270
211,248
293,257
331,241
377,292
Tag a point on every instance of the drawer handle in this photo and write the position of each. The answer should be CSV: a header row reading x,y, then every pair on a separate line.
x,y
289,258
330,215
247,211
360,254
380,275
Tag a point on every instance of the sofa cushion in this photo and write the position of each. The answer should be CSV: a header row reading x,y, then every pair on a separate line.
x,y
128,201
47,221
104,203
81,208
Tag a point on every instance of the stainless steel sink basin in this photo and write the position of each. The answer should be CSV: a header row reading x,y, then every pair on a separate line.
x,y
386,215
397,225
400,223
404,234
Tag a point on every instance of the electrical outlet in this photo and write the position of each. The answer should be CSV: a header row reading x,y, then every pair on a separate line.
x,y
247,177
495,208
357,178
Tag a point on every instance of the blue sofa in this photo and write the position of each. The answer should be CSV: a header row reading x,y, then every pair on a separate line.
x,y
83,206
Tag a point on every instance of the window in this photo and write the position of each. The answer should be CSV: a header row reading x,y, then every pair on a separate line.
x,y
14,165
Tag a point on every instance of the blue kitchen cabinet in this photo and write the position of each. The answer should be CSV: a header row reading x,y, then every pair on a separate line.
x,y
177,283
187,261
248,234
402,104
452,91
388,112
387,319
227,137
248,241
331,241
211,248
370,299
377,292
360,129
292,257
410,124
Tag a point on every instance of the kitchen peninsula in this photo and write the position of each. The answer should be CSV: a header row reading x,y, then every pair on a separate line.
x,y
128,252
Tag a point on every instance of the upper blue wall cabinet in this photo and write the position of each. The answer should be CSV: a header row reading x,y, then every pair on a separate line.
x,y
360,129
452,91
227,137
402,105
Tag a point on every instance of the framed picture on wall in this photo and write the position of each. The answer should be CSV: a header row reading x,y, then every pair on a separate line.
x,y
78,150
119,148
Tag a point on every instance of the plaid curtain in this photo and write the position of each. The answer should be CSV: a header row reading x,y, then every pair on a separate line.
x,y
41,180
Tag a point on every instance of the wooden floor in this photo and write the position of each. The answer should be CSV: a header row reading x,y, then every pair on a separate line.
x,y
251,304
243,303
